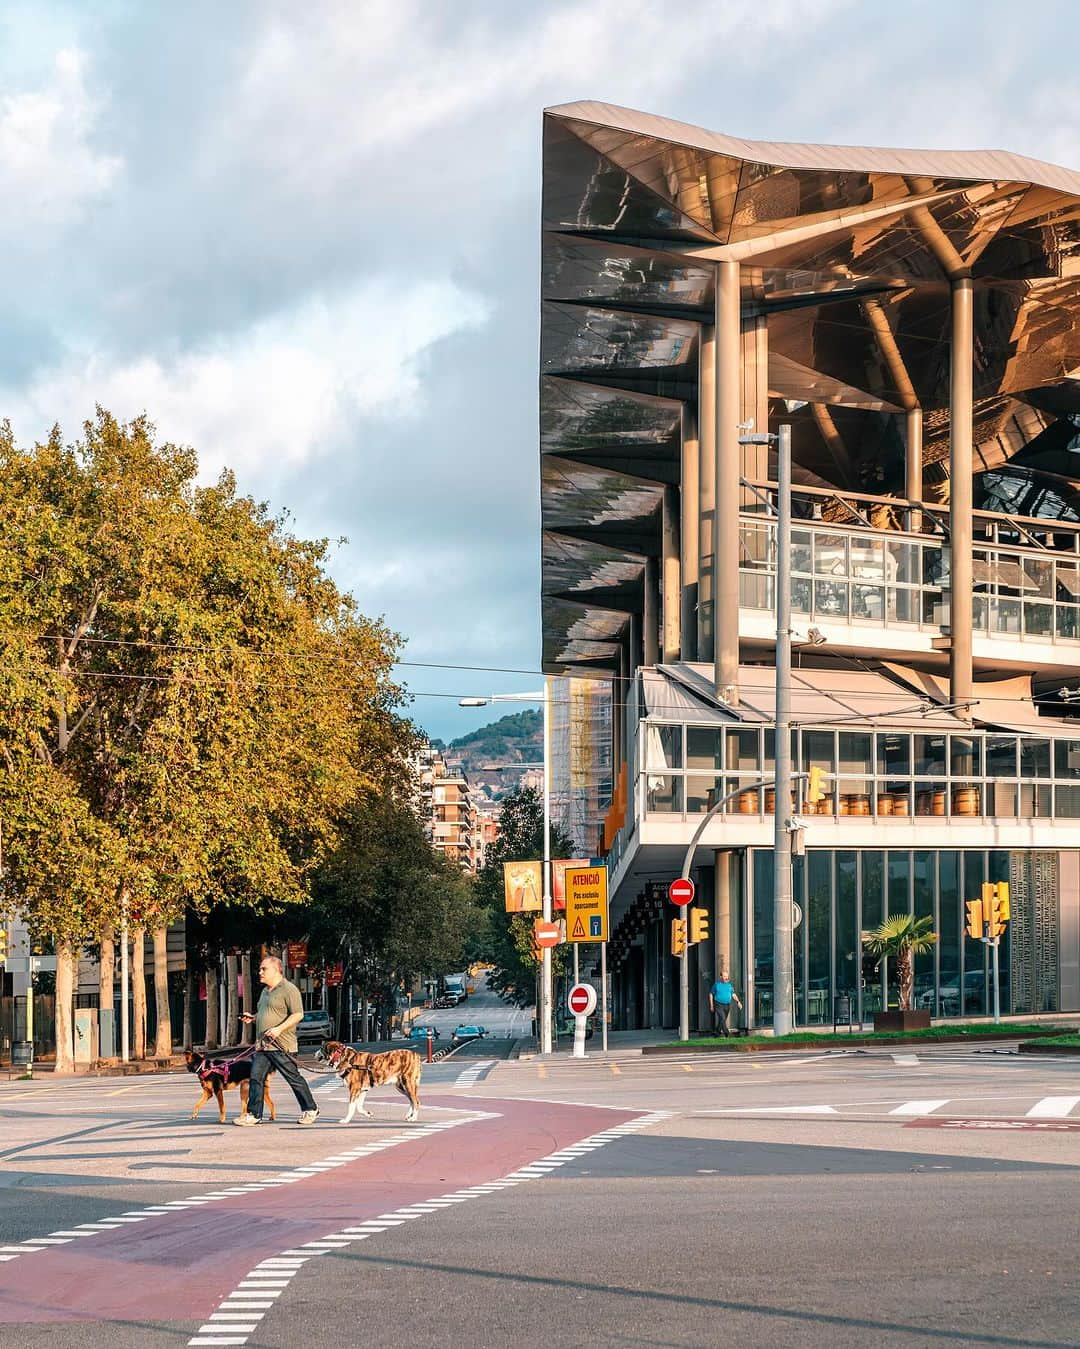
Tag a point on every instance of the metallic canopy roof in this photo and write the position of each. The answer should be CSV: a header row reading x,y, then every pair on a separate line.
x,y
848,253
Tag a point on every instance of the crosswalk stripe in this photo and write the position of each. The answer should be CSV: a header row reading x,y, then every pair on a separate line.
x,y
919,1107
1053,1107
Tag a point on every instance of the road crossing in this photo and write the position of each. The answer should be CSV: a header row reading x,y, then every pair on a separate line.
x,y
987,1107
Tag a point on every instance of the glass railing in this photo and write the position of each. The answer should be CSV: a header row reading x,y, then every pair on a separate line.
x,y
886,579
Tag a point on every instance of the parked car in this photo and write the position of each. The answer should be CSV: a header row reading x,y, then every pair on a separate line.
x,y
446,1000
422,1032
463,1033
316,1025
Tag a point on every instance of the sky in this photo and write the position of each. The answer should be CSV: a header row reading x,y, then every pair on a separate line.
x,y
305,240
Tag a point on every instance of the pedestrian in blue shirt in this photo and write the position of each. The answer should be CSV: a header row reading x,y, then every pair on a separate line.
x,y
721,996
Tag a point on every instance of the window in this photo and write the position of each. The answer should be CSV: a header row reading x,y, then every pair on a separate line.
x,y
704,748
1067,759
1034,758
894,755
929,754
742,752
663,746
1001,756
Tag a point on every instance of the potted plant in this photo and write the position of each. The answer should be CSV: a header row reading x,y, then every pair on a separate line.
x,y
900,938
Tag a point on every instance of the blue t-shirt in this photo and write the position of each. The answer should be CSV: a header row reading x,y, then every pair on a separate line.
x,y
722,992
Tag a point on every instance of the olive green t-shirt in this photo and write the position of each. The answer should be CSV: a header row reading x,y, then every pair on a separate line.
x,y
275,1006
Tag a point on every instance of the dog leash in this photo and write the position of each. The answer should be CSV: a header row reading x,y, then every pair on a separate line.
x,y
220,1067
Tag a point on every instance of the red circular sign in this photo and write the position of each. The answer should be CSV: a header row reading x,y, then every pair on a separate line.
x,y
681,892
546,934
581,999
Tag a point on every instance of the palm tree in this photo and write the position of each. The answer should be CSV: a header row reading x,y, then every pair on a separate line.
x,y
899,938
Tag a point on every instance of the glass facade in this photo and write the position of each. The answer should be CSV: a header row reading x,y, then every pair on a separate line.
x,y
881,773
877,578
845,893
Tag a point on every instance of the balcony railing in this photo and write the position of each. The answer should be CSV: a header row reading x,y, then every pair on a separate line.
x,y
883,579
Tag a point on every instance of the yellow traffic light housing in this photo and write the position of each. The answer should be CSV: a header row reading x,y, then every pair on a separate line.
x,y
3,943
678,936
1004,908
699,925
815,787
974,925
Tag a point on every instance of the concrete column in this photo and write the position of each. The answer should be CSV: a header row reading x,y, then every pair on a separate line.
x,y
650,618
722,914
960,493
706,489
913,464
689,533
755,402
727,490
671,581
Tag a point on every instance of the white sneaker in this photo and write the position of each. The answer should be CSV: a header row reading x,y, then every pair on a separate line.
x,y
309,1116
245,1121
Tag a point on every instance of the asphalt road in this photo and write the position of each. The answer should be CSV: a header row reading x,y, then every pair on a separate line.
x,y
833,1199
500,1020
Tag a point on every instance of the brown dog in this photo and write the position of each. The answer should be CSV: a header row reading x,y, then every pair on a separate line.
x,y
361,1071
216,1083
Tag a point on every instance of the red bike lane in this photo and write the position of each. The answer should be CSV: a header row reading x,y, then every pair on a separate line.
x,y
178,1266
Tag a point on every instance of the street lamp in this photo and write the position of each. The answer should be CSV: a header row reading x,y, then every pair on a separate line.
x,y
544,697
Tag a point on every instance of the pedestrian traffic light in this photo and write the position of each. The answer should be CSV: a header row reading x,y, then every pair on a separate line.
x,y
815,788
678,936
974,927
699,925
1004,909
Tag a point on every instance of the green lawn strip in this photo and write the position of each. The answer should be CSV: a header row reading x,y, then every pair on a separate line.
x,y
814,1040
1070,1044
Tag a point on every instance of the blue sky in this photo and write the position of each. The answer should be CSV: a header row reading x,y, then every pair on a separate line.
x,y
304,239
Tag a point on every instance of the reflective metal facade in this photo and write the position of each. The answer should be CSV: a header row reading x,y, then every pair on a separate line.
x,y
847,261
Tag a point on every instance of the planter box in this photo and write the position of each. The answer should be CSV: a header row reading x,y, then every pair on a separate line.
x,y
894,1021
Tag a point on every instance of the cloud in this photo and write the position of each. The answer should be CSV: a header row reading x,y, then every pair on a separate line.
x,y
49,169
276,396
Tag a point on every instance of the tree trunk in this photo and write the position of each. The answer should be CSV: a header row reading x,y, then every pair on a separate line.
x,y
189,1002
163,1037
66,965
905,977
248,1033
138,993
232,1002
213,1005
106,987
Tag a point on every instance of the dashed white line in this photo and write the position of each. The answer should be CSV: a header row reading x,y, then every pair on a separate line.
x,y
919,1107
1054,1107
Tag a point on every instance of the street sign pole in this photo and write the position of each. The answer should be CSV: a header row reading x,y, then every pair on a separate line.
x,y
545,955
603,993
783,929
994,944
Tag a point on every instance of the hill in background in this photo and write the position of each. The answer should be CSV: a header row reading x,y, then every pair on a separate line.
x,y
507,744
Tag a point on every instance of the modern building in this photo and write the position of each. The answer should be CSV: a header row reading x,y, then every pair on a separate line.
x,y
915,317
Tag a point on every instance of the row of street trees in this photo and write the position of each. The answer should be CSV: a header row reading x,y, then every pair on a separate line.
x,y
193,718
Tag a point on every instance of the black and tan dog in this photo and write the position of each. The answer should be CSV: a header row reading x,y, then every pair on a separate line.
x,y
216,1076
361,1071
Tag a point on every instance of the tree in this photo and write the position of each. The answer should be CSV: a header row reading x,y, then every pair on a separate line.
x,y
506,940
184,670
900,938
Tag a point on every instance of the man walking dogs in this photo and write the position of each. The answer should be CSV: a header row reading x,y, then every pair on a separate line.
x,y
721,996
280,1011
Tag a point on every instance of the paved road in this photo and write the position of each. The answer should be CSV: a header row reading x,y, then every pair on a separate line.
x,y
500,1020
799,1200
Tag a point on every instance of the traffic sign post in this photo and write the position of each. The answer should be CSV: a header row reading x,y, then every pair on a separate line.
x,y
582,1002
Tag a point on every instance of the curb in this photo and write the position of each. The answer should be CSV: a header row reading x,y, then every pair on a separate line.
x,y
855,1041
1050,1049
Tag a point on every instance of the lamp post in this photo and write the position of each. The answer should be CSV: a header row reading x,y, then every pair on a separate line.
x,y
544,697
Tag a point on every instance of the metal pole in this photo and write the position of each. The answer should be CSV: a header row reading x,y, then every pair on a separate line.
x,y
783,924
997,981
125,1026
684,994
577,965
603,993
545,955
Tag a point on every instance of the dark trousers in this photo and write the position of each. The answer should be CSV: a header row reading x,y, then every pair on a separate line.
x,y
268,1061
721,1012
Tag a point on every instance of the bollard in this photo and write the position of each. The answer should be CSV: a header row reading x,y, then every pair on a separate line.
x,y
430,1040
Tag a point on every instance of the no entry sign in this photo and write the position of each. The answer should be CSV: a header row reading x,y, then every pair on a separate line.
x,y
681,892
547,934
581,999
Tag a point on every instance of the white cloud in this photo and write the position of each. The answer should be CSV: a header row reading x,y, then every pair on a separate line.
x,y
271,397
49,169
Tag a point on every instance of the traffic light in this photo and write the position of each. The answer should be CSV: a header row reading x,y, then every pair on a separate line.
x,y
974,926
815,788
699,925
3,943
995,924
678,936
1004,910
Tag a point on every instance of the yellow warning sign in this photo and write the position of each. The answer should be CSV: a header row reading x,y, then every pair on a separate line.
x,y
586,903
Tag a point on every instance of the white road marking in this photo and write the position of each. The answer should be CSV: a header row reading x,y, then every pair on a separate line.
x,y
469,1076
905,1060
1054,1107
919,1107
774,1110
